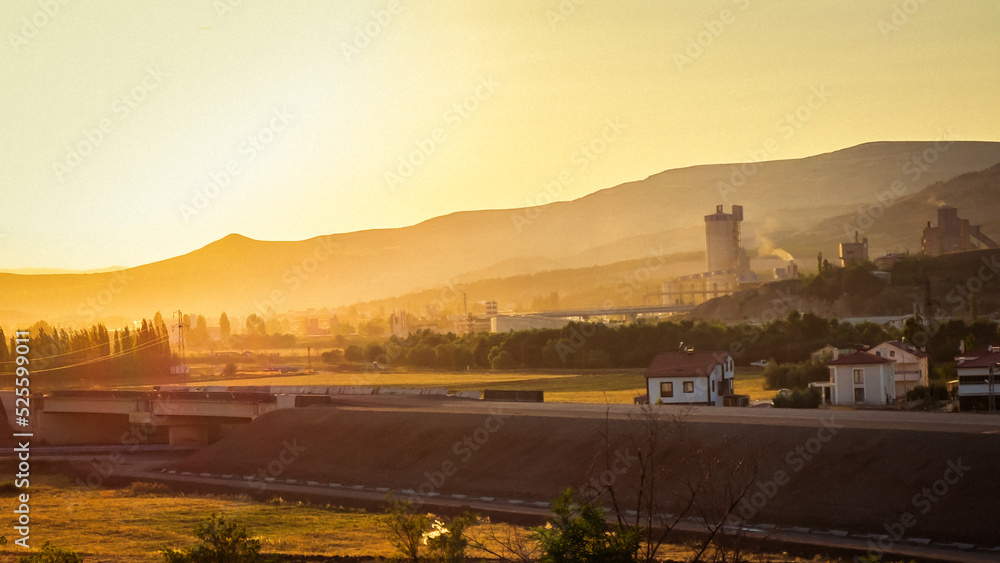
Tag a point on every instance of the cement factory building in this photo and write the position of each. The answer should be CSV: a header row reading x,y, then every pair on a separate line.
x,y
727,262
723,247
952,234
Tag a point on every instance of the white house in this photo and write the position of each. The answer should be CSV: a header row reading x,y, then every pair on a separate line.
x,y
974,376
690,378
859,379
911,364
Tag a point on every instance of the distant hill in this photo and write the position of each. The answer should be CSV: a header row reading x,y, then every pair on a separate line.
x,y
240,275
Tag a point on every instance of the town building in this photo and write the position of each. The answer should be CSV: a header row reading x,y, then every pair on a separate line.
x,y
859,379
911,367
978,377
690,378
854,253
727,263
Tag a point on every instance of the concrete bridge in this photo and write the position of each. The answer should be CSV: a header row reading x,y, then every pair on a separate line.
x,y
178,416
136,417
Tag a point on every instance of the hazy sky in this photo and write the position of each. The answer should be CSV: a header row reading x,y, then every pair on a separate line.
x,y
136,131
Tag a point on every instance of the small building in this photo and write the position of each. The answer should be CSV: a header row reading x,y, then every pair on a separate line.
x,y
859,379
853,253
690,378
974,375
911,364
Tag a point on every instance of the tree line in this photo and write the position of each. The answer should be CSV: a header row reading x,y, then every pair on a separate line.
x,y
131,353
592,345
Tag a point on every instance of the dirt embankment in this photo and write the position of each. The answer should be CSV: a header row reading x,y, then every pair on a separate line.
x,y
929,484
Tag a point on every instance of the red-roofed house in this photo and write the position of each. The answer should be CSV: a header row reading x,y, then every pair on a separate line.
x,y
911,364
859,379
974,386
690,378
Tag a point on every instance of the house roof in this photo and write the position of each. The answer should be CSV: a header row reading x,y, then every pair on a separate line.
x,y
906,348
982,350
668,364
982,361
859,358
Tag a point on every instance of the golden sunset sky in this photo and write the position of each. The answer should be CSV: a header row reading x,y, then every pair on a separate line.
x,y
319,117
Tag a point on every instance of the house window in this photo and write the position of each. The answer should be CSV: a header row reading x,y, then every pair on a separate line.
x,y
667,389
892,353
859,395
713,386
689,386
859,376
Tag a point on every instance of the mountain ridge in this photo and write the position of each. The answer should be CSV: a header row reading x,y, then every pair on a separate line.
x,y
628,221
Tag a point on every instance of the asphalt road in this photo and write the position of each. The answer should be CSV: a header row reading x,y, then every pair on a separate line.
x,y
974,423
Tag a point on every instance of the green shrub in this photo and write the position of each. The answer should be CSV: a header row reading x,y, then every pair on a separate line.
x,y
579,533
793,376
447,541
406,528
52,554
219,540
934,392
798,399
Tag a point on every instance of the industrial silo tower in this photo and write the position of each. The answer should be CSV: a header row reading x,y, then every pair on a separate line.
x,y
724,250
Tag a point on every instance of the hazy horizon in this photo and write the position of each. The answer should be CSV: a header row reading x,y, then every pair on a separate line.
x,y
338,118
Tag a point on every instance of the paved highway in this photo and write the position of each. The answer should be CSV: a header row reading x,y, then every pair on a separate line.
x,y
885,420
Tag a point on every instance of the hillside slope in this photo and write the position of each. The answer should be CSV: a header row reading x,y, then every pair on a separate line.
x,y
857,480
241,275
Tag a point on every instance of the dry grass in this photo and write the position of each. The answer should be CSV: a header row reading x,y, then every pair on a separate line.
x,y
598,386
750,381
104,526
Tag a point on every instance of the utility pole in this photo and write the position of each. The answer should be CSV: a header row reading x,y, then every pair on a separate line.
x,y
180,337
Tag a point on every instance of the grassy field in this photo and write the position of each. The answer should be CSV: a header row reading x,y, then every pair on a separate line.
x,y
141,525
597,386
109,526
